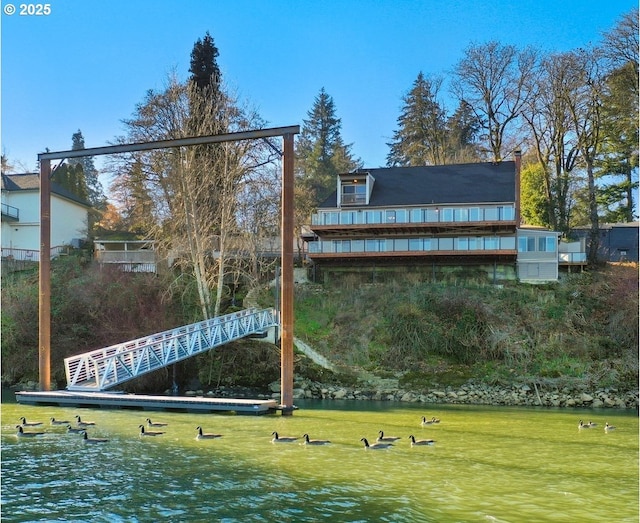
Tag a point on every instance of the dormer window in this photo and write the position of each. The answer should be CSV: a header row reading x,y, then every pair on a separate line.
x,y
354,192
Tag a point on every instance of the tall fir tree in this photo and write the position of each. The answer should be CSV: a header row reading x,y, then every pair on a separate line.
x,y
204,68
421,135
321,153
94,190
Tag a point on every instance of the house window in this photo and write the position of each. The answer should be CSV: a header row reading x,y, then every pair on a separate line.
x,y
506,213
462,244
416,216
357,245
354,193
490,214
415,244
373,217
475,244
491,244
508,242
522,244
432,215
401,244
461,215
445,244
347,218
447,215
474,214
391,216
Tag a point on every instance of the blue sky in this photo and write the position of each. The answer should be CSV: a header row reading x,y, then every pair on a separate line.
x,y
89,62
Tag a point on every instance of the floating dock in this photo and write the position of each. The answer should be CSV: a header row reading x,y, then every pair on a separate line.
x,y
118,400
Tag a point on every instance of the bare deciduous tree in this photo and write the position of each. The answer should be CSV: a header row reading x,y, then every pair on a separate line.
x,y
492,79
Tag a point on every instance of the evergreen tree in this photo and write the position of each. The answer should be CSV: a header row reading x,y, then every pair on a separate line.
x,y
72,178
204,67
463,129
93,187
421,135
320,151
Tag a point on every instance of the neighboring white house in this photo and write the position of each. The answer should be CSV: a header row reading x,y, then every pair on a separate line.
x,y
21,216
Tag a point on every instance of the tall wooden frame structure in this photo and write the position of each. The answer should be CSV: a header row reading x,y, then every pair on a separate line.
x,y
287,222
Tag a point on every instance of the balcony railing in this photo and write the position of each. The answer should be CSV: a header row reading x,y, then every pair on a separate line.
x,y
415,216
11,212
417,245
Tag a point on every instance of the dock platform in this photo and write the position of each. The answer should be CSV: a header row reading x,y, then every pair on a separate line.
x,y
118,400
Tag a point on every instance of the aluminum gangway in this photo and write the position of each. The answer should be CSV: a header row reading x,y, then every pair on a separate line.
x,y
102,369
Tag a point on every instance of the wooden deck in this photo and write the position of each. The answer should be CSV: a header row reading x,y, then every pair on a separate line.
x,y
114,400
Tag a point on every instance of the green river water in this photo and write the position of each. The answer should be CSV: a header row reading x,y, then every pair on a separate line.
x,y
493,464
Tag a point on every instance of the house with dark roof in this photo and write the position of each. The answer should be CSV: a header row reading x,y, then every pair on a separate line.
x,y
430,218
21,217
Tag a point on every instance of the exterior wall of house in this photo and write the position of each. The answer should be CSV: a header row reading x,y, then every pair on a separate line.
x,y
69,220
537,255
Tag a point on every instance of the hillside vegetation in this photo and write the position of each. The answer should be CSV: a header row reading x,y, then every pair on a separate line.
x,y
583,329
580,331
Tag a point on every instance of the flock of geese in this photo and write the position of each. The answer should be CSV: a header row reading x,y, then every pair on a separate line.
x,y
150,430
382,442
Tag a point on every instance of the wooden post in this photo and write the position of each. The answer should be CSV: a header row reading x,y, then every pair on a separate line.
x,y
286,294
44,306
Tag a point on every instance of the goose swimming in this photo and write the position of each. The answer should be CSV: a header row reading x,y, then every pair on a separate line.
x,y
81,423
25,423
282,439
308,441
149,432
55,421
22,434
431,421
420,442
608,427
386,439
155,424
375,446
73,430
582,425
206,435
90,441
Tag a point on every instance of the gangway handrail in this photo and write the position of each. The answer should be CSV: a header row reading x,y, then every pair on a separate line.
x,y
105,368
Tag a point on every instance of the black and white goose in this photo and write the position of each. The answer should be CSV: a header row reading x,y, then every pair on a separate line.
x,y
206,435
155,423
420,442
608,427
308,441
55,421
22,434
431,421
81,423
150,433
74,430
386,439
25,423
92,441
582,425
375,446
282,439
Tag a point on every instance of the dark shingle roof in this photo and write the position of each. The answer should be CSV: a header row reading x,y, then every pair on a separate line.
x,y
31,182
462,183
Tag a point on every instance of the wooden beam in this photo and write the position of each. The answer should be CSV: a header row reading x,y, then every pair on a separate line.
x,y
44,308
286,295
